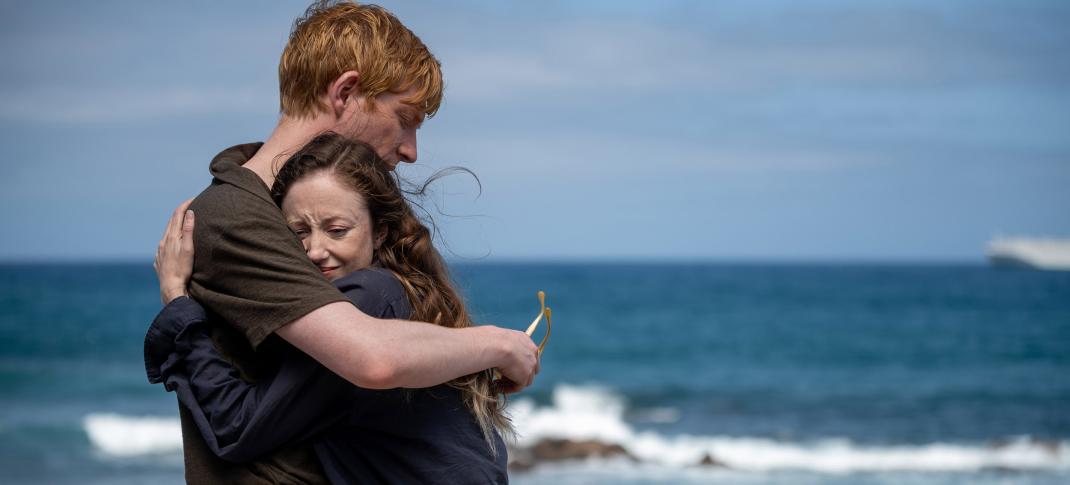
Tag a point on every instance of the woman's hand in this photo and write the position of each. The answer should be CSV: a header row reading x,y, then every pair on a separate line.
x,y
174,255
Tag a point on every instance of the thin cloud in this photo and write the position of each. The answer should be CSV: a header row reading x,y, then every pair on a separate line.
x,y
858,47
122,104
593,157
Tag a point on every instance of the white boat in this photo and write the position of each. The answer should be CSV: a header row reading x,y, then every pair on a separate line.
x,y
1028,252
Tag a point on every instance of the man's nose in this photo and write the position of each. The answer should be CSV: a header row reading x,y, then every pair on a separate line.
x,y
407,149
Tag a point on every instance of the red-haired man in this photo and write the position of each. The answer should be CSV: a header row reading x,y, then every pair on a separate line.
x,y
355,70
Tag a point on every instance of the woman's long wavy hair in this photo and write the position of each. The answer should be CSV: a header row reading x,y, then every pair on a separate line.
x,y
406,250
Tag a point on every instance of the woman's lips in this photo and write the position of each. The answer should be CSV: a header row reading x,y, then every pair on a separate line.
x,y
327,269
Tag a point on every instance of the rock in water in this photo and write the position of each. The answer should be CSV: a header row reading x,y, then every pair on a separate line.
x,y
564,449
709,460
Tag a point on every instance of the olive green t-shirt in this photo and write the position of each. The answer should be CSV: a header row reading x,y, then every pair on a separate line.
x,y
251,271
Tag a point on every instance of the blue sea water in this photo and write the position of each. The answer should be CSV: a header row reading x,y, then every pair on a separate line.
x,y
785,373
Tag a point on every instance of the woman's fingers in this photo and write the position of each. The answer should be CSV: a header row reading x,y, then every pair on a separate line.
x,y
174,255
174,222
174,227
187,232
173,232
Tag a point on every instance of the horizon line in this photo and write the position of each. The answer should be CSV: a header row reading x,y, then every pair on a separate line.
x,y
716,260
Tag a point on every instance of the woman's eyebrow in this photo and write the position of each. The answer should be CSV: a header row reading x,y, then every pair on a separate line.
x,y
339,218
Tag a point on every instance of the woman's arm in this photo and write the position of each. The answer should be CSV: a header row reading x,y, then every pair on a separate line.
x,y
240,420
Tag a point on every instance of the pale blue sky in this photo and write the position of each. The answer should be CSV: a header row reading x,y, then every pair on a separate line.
x,y
828,130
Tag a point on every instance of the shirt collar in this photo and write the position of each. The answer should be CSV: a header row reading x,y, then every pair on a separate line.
x,y
227,168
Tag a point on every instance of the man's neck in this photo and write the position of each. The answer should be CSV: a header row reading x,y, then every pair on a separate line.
x,y
290,134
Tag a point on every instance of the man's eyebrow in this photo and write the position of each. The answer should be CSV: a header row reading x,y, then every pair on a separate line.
x,y
412,112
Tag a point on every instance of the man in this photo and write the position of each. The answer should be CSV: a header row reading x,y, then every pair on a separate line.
x,y
355,70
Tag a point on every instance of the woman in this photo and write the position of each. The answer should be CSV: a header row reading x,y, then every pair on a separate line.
x,y
344,204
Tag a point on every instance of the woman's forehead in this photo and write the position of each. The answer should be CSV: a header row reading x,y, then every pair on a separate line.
x,y
323,195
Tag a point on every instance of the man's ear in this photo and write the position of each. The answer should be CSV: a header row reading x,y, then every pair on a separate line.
x,y
341,90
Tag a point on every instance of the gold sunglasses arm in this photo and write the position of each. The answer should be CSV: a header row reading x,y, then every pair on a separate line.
x,y
545,338
543,311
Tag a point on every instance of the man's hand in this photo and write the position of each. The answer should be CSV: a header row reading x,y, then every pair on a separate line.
x,y
521,360
174,255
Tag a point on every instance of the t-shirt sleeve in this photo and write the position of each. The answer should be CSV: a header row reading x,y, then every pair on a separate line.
x,y
249,268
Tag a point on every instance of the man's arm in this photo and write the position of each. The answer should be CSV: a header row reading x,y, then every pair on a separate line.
x,y
380,355
252,270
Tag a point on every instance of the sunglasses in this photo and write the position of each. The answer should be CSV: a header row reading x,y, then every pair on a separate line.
x,y
544,311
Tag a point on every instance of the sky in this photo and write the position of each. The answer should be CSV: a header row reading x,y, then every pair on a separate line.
x,y
727,131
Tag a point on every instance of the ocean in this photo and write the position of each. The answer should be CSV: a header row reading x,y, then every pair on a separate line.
x,y
780,373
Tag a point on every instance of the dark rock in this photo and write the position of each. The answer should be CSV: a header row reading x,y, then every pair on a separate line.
x,y
709,460
564,449
550,450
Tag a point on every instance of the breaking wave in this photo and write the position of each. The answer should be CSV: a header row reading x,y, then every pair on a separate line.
x,y
123,436
595,413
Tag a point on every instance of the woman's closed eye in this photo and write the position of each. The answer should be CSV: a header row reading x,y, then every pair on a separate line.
x,y
337,232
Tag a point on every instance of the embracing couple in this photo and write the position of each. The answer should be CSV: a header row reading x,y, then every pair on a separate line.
x,y
310,328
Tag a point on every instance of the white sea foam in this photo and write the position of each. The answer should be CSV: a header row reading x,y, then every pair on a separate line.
x,y
119,435
590,412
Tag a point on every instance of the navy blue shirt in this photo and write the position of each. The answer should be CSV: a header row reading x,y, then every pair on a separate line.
x,y
360,435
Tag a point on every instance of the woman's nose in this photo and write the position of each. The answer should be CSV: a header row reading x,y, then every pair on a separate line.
x,y
314,248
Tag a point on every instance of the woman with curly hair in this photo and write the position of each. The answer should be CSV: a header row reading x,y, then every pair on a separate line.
x,y
346,206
